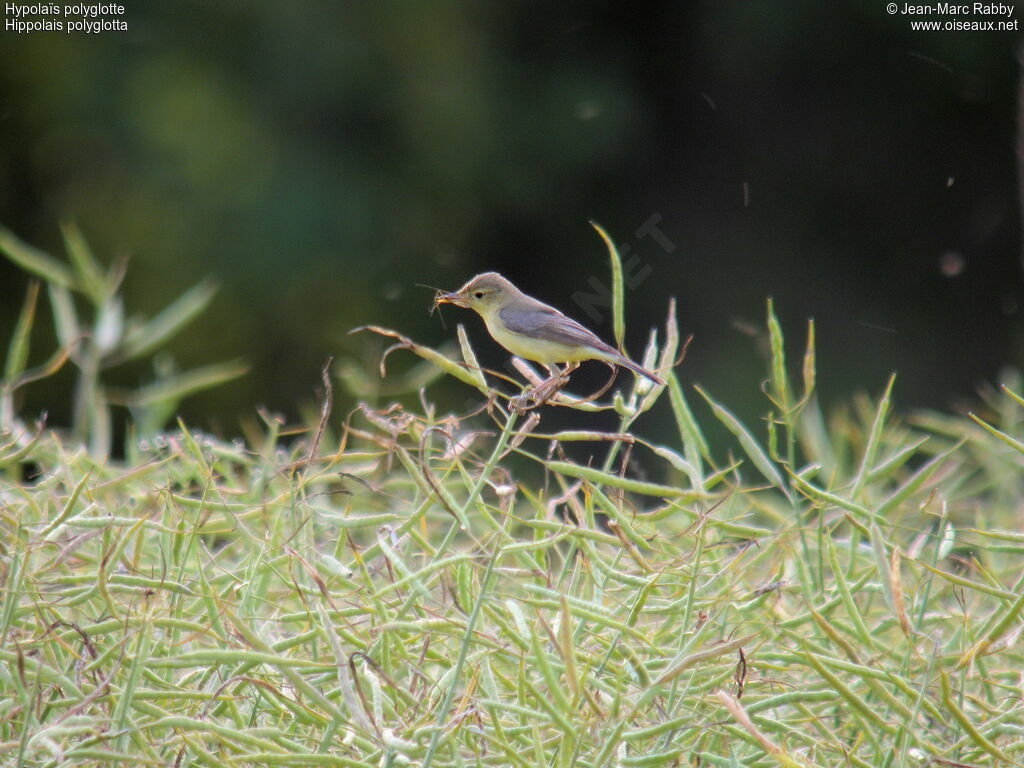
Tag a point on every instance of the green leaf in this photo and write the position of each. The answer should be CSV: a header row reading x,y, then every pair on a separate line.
x,y
874,437
1017,445
888,466
1011,394
618,298
184,384
598,477
780,382
694,444
469,356
152,334
680,465
997,625
65,318
881,553
34,260
87,269
949,699
819,494
810,366
668,352
915,481
747,442
17,354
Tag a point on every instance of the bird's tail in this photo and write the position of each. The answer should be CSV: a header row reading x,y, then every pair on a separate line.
x,y
623,360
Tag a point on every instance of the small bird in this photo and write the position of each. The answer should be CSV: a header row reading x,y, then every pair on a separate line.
x,y
530,329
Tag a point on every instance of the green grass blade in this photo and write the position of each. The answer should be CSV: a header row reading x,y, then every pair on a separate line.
x,y
1017,445
469,357
747,441
176,387
810,368
460,663
846,596
618,289
65,318
780,380
154,333
33,260
17,353
874,436
88,271
998,624
914,482
949,700
694,444
598,477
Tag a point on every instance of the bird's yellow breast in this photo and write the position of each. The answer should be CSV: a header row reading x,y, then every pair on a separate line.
x,y
538,350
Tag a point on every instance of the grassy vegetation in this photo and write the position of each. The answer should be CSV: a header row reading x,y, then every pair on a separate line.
x,y
381,589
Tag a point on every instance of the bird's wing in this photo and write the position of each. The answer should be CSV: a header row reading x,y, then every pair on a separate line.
x,y
549,324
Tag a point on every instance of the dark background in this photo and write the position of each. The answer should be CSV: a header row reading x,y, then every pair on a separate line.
x,y
321,159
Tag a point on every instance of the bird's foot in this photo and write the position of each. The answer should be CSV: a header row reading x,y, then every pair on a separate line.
x,y
544,392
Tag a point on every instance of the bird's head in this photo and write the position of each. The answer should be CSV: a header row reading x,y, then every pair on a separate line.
x,y
485,294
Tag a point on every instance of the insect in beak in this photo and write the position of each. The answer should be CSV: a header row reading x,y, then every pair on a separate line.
x,y
442,297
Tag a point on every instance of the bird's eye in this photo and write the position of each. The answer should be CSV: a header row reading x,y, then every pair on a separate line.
x,y
478,295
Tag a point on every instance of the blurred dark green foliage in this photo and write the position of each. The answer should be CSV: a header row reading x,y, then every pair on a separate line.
x,y
321,159
96,333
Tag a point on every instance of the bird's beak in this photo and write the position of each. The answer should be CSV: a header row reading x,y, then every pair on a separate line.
x,y
450,298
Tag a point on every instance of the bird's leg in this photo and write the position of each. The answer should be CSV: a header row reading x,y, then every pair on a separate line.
x,y
546,390
562,377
